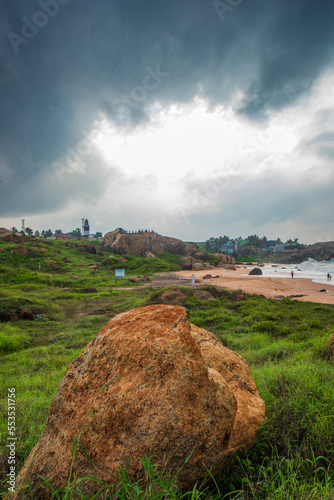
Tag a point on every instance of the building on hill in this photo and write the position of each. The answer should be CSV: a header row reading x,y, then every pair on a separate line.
x,y
244,245
66,236
279,247
228,248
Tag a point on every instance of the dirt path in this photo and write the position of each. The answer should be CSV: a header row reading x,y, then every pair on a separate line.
x,y
297,288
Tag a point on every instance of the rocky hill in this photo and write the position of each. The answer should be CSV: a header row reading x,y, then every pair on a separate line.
x,y
143,243
317,251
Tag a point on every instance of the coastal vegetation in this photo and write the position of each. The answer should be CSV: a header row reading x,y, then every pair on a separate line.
x,y
285,342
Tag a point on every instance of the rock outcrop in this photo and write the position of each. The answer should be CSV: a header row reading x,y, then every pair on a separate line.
x,y
204,295
192,264
4,232
140,279
317,251
173,296
16,237
139,244
17,315
20,249
149,383
52,263
224,259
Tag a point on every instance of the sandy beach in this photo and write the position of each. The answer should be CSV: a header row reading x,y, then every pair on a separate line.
x,y
270,287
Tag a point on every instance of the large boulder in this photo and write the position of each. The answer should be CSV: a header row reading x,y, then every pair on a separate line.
x,y
198,266
149,383
90,248
173,296
187,263
204,295
174,245
190,264
255,272
20,249
200,255
190,249
224,259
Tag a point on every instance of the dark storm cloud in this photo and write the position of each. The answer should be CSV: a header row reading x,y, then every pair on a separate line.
x,y
65,61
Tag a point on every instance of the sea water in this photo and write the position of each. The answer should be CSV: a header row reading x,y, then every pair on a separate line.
x,y
311,269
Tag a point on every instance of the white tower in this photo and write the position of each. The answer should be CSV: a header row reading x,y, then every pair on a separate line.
x,y
85,229
23,226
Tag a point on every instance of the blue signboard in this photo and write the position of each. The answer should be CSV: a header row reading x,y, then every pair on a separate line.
x,y
119,273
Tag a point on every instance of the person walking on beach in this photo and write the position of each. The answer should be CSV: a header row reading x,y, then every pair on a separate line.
x,y
329,277
291,274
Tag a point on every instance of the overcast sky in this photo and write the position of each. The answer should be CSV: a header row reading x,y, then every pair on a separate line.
x,y
194,118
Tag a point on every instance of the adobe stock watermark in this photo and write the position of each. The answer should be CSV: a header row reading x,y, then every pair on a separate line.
x,y
247,152
39,20
151,81
209,191
223,8
74,161
257,143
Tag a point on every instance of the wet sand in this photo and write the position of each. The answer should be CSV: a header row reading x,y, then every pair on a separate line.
x,y
239,279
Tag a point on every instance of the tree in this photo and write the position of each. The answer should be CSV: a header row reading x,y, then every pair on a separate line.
x,y
263,241
47,234
98,234
29,231
254,240
14,230
223,239
37,233
76,232
58,231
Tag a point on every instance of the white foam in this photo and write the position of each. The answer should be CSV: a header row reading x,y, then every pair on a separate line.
x,y
310,269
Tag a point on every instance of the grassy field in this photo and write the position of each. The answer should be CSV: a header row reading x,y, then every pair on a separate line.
x,y
286,344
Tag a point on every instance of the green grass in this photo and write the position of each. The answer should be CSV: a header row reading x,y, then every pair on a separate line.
x,y
286,344
72,265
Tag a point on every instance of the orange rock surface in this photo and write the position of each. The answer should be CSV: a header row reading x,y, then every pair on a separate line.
x,y
149,383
